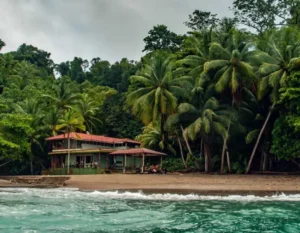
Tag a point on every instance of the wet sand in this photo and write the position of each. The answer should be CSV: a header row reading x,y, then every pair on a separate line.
x,y
183,183
188,183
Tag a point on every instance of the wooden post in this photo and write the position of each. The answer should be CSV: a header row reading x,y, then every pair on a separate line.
x,y
124,169
52,165
68,166
106,161
143,163
134,165
99,159
161,160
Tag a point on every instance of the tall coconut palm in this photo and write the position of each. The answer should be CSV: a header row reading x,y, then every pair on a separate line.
x,y
25,73
88,109
152,138
51,119
64,97
229,66
71,122
230,69
279,53
32,108
193,64
279,56
157,90
7,67
202,119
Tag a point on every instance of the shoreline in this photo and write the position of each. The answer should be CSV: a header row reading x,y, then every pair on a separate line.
x,y
176,183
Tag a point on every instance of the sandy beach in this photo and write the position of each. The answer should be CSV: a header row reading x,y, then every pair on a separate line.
x,y
184,183
189,183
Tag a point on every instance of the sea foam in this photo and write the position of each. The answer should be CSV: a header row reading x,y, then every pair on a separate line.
x,y
76,193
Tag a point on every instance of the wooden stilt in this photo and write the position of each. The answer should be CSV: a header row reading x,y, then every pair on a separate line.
x,y
161,160
99,159
124,168
143,164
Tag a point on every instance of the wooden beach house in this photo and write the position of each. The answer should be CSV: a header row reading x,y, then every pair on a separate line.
x,y
92,154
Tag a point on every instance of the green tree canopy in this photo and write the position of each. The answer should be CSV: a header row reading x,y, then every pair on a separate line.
x,y
160,38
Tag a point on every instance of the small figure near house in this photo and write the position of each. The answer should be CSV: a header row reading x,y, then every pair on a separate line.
x,y
153,169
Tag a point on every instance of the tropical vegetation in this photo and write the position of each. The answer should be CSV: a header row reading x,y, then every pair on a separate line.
x,y
224,97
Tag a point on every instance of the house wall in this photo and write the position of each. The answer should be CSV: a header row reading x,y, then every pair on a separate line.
x,y
73,144
134,162
105,159
92,146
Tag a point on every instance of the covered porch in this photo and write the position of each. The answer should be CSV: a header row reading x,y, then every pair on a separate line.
x,y
90,161
134,159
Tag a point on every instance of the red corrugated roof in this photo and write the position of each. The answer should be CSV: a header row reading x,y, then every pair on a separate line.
x,y
90,137
137,151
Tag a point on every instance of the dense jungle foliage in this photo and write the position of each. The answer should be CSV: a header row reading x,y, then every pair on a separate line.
x,y
223,97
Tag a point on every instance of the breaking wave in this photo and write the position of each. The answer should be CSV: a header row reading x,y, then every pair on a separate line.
x,y
77,194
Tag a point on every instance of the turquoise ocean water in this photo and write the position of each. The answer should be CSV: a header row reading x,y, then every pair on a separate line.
x,y
69,210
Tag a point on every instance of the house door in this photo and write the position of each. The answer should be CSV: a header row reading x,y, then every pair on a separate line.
x,y
88,161
78,161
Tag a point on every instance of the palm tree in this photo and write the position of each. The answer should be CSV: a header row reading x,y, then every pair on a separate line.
x,y
88,109
202,119
157,91
51,119
230,66
32,108
7,64
279,56
152,138
25,73
278,53
64,97
193,64
71,122
231,70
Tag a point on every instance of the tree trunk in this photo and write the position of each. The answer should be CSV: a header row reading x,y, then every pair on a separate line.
x,y
225,138
228,160
207,157
163,132
181,152
259,138
223,154
186,141
201,149
188,146
68,161
265,162
31,166
3,164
